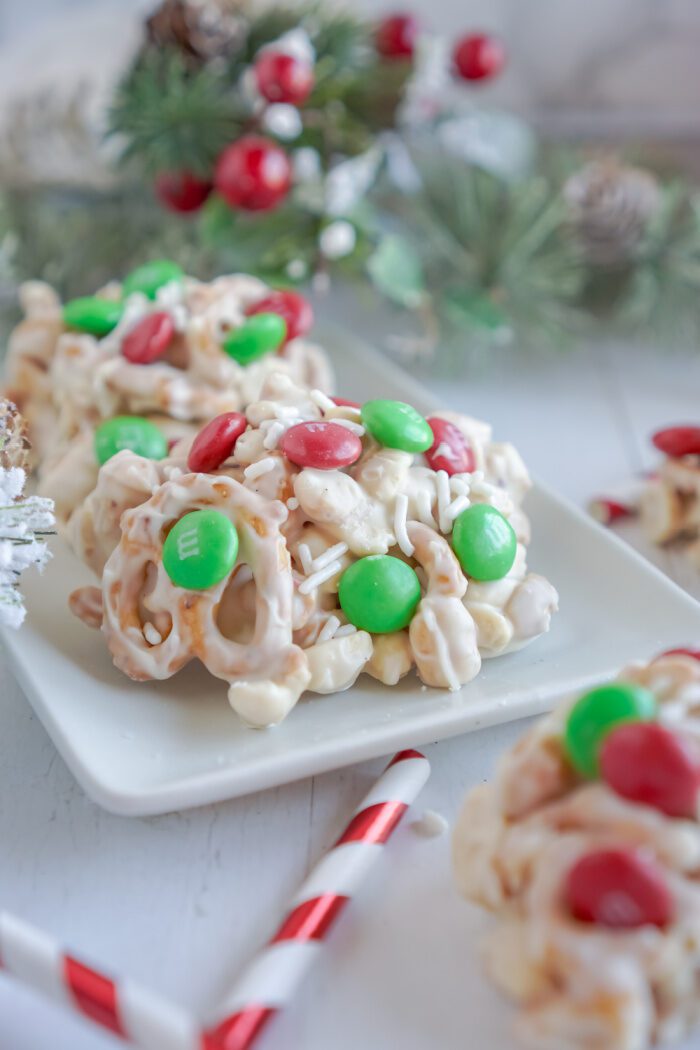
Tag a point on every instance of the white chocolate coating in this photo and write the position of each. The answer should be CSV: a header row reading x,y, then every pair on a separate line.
x,y
66,381
581,986
314,524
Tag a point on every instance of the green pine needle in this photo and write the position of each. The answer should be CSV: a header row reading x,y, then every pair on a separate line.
x,y
172,117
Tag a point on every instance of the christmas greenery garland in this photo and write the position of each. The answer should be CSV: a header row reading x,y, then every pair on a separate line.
x,y
303,143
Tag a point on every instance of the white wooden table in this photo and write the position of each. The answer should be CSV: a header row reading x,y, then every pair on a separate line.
x,y
180,902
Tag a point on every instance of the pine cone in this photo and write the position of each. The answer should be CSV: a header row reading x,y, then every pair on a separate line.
x,y
201,29
15,446
610,205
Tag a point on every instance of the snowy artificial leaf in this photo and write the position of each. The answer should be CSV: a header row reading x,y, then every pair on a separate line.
x,y
396,270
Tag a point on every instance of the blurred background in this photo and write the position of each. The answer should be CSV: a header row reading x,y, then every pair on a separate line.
x,y
519,193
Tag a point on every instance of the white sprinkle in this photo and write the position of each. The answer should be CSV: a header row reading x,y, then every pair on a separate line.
x,y
152,636
457,506
424,505
292,503
400,512
322,401
305,558
317,578
459,485
430,824
172,473
444,498
336,551
356,428
273,433
256,470
328,630
345,630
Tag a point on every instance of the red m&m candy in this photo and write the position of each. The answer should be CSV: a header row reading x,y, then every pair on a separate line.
x,y
214,443
292,307
321,445
149,339
450,451
618,888
647,763
343,402
678,441
694,654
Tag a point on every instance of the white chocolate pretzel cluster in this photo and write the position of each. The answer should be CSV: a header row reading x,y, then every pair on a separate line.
x,y
301,528
593,871
71,366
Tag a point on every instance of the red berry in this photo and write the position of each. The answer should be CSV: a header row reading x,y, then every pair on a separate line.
x,y
214,443
324,446
647,763
148,339
283,78
396,36
342,402
678,441
478,56
450,450
253,174
694,654
292,307
619,888
181,190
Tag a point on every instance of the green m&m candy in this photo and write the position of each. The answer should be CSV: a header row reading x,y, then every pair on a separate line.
x,y
596,714
148,278
259,335
379,594
92,314
132,432
397,425
484,542
200,550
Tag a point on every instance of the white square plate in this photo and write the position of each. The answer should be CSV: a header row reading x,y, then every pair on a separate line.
x,y
151,748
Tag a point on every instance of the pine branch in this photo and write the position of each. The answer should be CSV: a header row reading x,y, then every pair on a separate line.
x,y
172,117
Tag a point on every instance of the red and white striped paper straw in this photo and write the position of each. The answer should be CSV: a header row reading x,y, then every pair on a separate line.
x,y
150,1023
273,977
123,1008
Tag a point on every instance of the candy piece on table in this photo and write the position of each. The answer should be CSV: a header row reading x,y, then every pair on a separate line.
x,y
645,762
396,36
694,654
281,77
149,338
92,314
484,542
379,594
200,550
323,445
294,308
608,511
620,889
450,450
478,56
678,441
181,191
397,425
253,174
214,443
259,335
596,714
129,432
151,276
